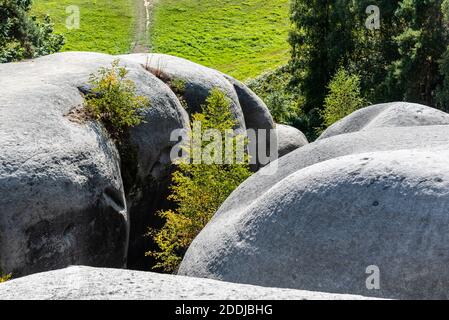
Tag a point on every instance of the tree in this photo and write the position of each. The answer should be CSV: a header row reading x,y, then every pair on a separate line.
x,y
321,41
405,59
198,188
443,89
375,51
421,45
22,36
343,99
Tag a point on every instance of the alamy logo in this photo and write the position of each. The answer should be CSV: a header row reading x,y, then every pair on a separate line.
x,y
373,20
373,280
73,19
255,147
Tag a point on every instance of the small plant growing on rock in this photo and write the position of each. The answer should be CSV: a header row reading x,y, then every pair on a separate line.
x,y
113,99
156,68
4,278
178,86
198,189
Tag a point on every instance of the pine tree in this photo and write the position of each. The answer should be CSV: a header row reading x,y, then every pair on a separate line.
x,y
421,45
374,50
321,41
443,89
21,35
405,59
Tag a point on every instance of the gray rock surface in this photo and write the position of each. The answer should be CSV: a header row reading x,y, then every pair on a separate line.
x,y
83,283
289,139
61,192
199,80
333,208
147,171
62,198
249,110
384,139
255,111
395,114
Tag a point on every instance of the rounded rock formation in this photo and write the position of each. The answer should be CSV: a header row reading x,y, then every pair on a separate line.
x,y
329,211
395,114
84,283
61,189
289,139
197,81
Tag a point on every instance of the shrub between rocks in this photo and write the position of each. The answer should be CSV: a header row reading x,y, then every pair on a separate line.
x,y
113,100
199,189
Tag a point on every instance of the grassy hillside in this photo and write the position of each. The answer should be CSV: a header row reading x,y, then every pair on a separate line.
x,y
241,37
105,25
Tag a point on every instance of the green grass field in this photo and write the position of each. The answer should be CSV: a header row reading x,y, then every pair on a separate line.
x,y
243,38
105,25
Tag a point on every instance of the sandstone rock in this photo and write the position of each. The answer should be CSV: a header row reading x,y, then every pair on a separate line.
x,y
62,198
396,114
249,110
255,111
258,118
289,139
149,166
83,283
198,80
334,208
384,139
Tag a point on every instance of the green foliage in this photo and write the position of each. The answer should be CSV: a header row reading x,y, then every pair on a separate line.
x,y
285,102
198,189
4,278
343,99
113,99
22,36
283,107
443,90
403,60
106,26
243,38
272,88
321,40
421,44
178,86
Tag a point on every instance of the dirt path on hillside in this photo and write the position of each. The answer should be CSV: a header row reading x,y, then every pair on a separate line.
x,y
141,37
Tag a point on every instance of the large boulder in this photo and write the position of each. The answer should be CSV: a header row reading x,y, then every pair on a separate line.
x,y
289,139
62,198
147,164
198,80
84,283
255,111
395,114
249,110
334,208
383,139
